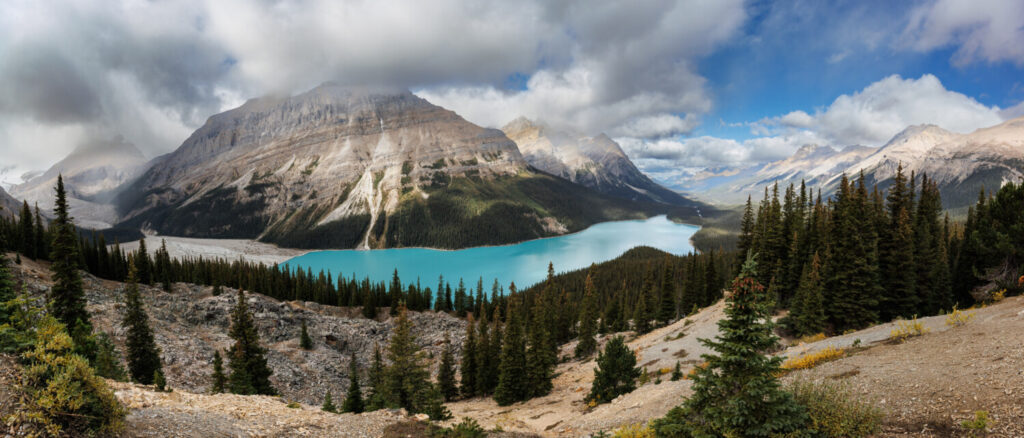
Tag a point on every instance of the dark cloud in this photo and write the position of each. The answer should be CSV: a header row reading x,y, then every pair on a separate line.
x,y
41,82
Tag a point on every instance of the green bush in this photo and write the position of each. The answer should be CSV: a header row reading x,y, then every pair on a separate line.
x,y
61,393
835,411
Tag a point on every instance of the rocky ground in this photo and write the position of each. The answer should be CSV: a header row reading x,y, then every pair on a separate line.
x,y
190,324
185,414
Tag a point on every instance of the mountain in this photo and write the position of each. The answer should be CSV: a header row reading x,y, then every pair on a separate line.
x,y
596,162
92,174
961,164
813,164
9,206
340,167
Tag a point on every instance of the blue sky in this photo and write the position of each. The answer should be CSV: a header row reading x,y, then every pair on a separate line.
x,y
682,85
767,70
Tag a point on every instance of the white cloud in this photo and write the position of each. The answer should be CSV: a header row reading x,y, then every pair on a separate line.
x,y
632,71
875,114
154,71
988,30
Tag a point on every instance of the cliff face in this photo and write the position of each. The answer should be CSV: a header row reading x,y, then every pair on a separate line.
x,y
595,162
351,165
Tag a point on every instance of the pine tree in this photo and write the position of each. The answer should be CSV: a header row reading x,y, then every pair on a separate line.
x,y
328,405
219,380
67,298
377,398
143,354
540,359
481,351
159,382
807,316
354,397
406,381
587,344
446,371
469,360
246,358
162,267
304,340
853,281
616,372
108,359
641,322
26,234
738,393
677,372
144,264
491,365
512,381
667,309
746,239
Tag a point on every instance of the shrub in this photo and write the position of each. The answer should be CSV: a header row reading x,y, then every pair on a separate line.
x,y
812,338
907,329
814,359
957,318
998,295
835,411
61,394
616,372
633,431
468,428
294,405
977,426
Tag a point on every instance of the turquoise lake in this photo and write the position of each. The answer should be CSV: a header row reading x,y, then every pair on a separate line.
x,y
525,263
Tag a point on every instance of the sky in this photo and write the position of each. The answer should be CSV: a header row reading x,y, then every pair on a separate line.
x,y
682,85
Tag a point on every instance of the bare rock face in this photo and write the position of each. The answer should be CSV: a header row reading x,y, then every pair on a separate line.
x,y
596,162
337,160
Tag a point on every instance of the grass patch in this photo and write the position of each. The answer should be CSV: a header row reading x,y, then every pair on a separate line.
x,y
907,329
835,410
814,359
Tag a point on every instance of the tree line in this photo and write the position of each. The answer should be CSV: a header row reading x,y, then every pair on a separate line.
x,y
865,255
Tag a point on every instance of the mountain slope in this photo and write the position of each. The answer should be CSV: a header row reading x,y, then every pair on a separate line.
x,y
813,164
339,167
961,164
92,174
596,162
8,205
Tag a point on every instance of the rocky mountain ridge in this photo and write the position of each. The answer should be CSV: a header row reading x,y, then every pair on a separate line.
x,y
597,162
961,164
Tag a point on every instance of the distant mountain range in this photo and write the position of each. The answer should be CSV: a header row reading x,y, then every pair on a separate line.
x,y
339,167
93,174
596,162
961,164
